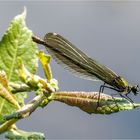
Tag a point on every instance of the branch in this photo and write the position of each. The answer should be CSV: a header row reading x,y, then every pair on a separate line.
x,y
23,112
15,88
26,110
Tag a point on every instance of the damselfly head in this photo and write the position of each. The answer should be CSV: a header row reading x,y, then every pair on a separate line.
x,y
135,89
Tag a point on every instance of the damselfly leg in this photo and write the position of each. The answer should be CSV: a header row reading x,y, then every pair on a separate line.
x,y
100,91
102,87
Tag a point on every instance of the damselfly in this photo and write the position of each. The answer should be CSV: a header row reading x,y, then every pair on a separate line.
x,y
73,59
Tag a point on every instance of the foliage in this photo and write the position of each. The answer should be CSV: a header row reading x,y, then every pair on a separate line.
x,y
16,43
19,57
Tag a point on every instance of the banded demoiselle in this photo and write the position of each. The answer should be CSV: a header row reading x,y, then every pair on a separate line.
x,y
73,59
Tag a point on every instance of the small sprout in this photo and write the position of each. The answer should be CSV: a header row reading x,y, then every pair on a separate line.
x,y
5,92
45,60
34,81
54,84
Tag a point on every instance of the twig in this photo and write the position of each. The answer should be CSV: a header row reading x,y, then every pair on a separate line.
x,y
26,110
23,112
15,88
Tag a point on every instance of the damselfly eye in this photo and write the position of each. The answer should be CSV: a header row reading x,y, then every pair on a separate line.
x,y
135,89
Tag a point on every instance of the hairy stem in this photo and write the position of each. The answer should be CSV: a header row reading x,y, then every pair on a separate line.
x,y
26,110
23,112
15,88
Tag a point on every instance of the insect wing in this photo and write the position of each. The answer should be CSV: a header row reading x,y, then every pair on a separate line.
x,y
73,59
68,56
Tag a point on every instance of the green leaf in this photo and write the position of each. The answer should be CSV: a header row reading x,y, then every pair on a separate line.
x,y
87,101
16,43
23,135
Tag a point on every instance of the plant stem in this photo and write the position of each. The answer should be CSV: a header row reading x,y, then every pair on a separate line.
x,y
15,88
23,112
26,110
